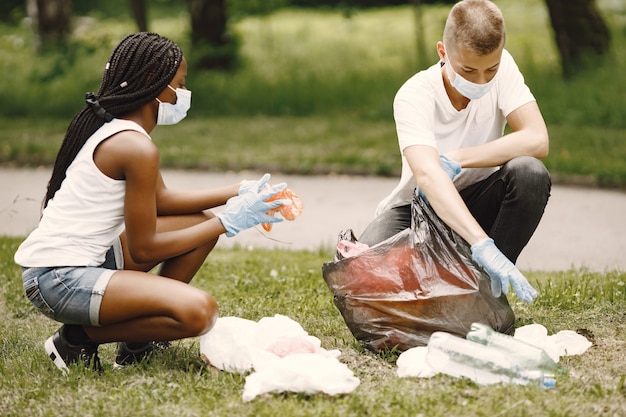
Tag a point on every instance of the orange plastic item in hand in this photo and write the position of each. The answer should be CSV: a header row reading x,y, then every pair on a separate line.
x,y
288,212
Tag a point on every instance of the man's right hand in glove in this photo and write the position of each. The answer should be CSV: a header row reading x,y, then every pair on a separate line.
x,y
451,167
501,271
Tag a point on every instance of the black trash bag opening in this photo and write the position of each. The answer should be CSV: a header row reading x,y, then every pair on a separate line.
x,y
422,280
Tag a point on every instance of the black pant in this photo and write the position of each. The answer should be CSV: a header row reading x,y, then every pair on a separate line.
x,y
508,205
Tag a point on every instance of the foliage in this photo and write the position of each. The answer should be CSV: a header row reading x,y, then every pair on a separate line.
x,y
255,283
361,3
241,8
310,81
223,56
11,10
296,62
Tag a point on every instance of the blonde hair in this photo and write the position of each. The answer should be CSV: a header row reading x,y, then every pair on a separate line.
x,y
474,24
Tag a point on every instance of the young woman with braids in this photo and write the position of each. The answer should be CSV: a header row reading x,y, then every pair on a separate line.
x,y
108,219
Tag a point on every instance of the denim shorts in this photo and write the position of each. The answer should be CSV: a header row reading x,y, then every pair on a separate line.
x,y
71,294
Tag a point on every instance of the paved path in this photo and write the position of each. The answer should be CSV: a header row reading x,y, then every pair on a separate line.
x,y
581,227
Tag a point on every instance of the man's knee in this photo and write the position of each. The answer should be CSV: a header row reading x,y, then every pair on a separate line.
x,y
386,225
529,173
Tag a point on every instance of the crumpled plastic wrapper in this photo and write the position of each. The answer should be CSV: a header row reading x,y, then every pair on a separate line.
x,y
289,212
412,363
563,343
281,355
307,373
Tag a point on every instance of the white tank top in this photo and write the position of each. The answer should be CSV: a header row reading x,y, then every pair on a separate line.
x,y
86,214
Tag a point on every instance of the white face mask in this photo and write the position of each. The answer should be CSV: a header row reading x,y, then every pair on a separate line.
x,y
170,114
467,88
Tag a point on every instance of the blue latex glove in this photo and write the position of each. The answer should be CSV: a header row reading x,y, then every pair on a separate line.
x,y
451,167
254,185
249,209
501,271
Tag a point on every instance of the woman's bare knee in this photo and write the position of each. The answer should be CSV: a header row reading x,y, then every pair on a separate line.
x,y
201,314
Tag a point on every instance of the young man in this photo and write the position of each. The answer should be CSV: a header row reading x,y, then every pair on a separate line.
x,y
489,188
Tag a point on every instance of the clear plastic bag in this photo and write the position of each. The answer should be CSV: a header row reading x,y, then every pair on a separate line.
x,y
422,280
289,212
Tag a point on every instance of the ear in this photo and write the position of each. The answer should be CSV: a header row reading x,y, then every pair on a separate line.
x,y
441,51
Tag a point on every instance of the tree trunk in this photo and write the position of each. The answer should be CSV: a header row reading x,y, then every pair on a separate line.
x,y
422,53
138,7
52,18
579,31
208,21
212,45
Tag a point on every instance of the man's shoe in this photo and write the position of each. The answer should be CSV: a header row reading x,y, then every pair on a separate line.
x,y
63,353
128,356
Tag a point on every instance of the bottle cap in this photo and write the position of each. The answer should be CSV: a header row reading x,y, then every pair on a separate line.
x,y
549,383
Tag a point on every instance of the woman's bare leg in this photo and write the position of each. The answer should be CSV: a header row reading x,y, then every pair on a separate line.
x,y
183,267
138,306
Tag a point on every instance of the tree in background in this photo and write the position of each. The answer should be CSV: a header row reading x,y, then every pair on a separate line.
x,y
579,29
579,32
138,8
213,46
52,18
422,60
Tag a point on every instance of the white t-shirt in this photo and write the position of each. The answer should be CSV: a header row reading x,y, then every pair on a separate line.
x,y
425,116
86,215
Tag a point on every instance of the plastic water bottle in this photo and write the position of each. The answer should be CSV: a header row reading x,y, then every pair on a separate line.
x,y
525,354
482,364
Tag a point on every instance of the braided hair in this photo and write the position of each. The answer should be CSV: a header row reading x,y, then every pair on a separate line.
x,y
139,68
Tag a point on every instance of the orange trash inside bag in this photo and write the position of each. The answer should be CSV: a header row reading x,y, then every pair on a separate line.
x,y
288,212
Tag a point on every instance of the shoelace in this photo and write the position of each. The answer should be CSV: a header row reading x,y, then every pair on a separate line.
x,y
90,357
160,345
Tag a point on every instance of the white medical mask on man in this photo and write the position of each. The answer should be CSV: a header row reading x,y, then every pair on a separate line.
x,y
170,114
467,88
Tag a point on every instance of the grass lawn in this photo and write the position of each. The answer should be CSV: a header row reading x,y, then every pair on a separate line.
x,y
306,108
256,284
321,145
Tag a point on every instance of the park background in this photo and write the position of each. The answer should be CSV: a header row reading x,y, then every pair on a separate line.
x,y
308,90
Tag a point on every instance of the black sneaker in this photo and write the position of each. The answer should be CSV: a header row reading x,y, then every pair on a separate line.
x,y
63,353
128,356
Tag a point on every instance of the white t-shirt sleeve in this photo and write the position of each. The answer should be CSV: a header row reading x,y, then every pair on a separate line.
x,y
424,115
514,92
414,113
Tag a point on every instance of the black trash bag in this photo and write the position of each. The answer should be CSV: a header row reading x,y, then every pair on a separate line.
x,y
422,280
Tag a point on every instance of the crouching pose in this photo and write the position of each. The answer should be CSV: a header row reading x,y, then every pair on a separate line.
x,y
489,187
108,219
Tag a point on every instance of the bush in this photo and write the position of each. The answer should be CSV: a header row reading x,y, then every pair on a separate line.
x,y
295,62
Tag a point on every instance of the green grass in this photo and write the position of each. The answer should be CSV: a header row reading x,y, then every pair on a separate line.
x,y
590,156
296,145
313,92
243,282
312,96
